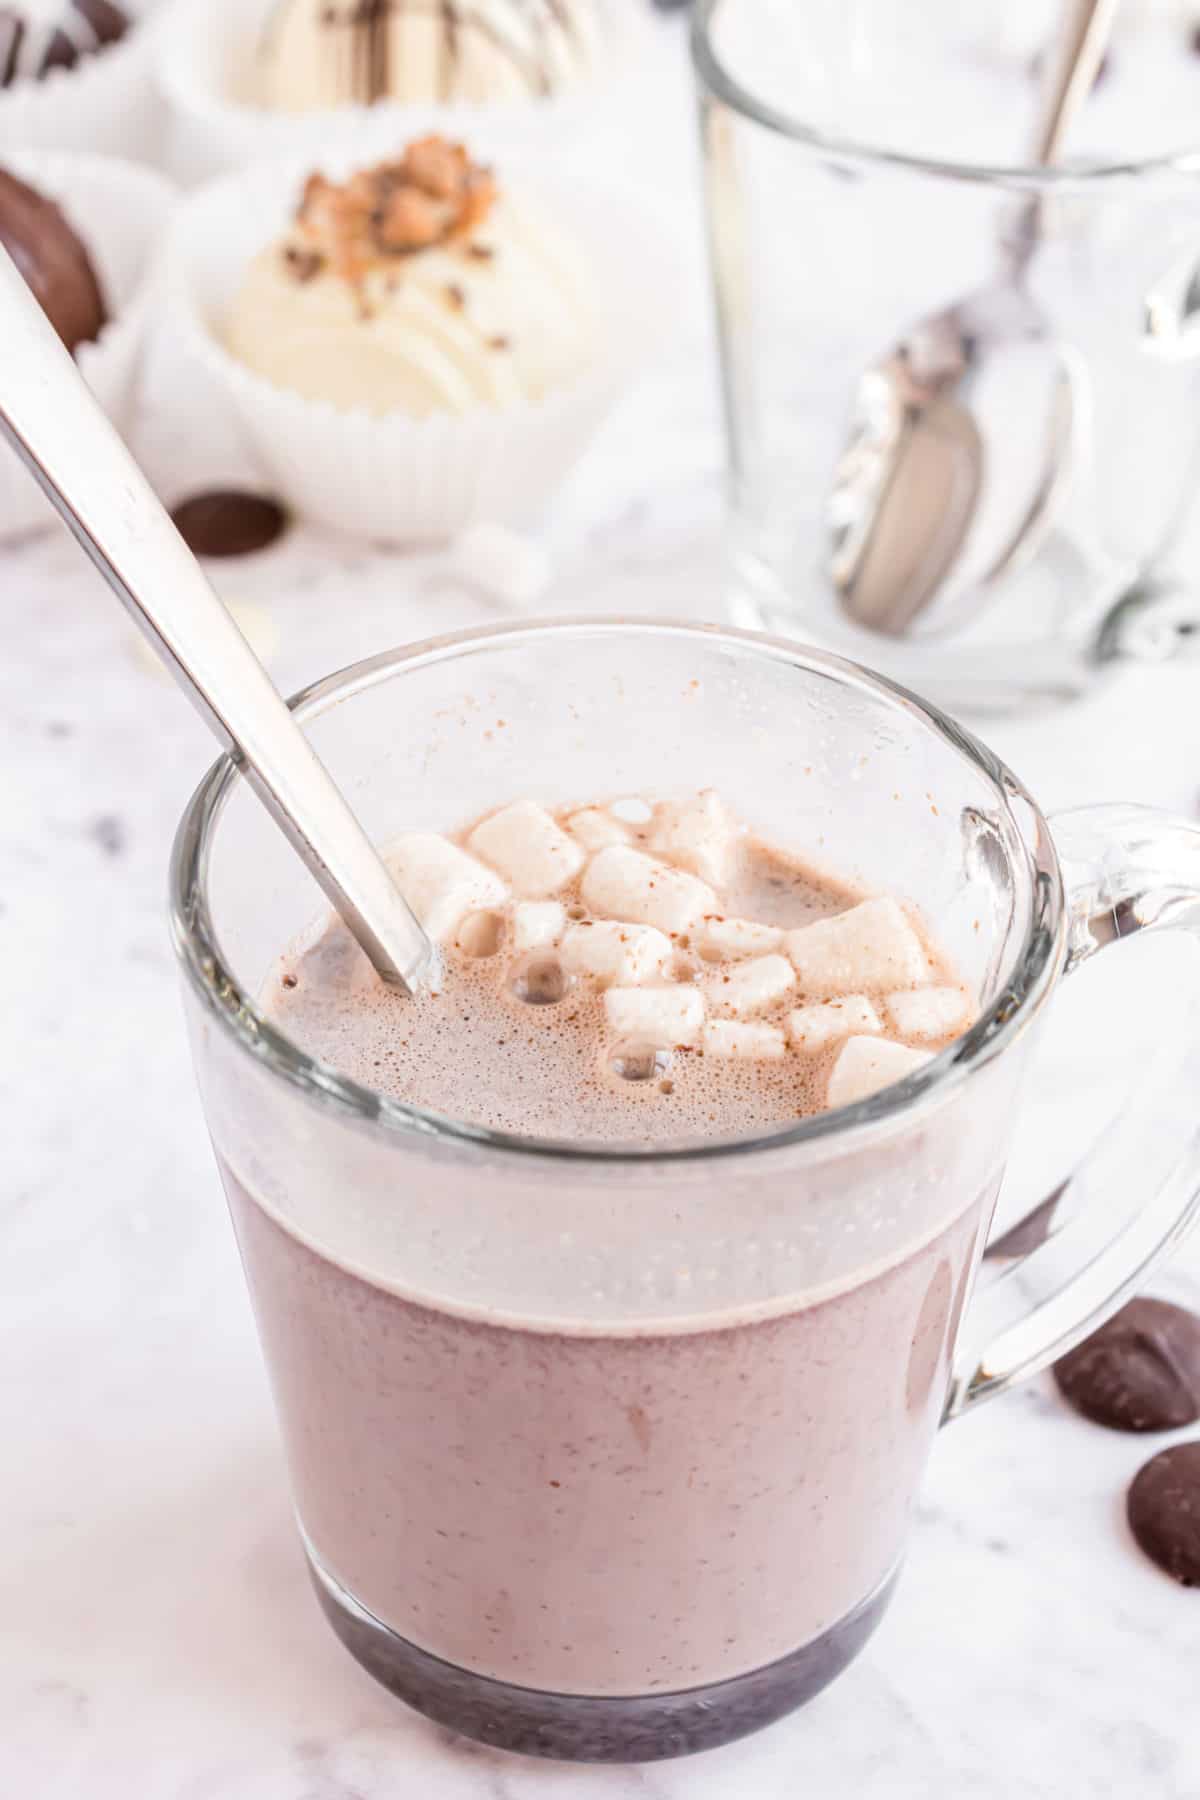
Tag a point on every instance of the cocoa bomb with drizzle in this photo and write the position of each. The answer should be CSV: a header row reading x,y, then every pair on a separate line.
x,y
317,54
39,36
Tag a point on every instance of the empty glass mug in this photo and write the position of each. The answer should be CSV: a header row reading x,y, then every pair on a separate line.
x,y
611,1453
864,174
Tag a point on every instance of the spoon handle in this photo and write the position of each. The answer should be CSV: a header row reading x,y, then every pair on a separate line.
x,y
1073,64
78,460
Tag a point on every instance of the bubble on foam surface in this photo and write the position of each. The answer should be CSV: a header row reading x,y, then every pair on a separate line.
x,y
481,934
639,1062
539,979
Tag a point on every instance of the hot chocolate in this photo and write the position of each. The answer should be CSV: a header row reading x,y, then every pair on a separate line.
x,y
584,1508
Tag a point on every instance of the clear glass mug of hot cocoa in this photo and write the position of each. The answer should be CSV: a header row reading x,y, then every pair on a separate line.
x,y
612,1295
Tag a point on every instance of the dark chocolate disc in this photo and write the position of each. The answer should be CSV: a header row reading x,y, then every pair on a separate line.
x,y
1139,1372
1163,1508
226,522
53,260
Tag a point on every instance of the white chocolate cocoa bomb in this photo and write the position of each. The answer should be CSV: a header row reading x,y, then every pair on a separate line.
x,y
596,987
416,287
316,54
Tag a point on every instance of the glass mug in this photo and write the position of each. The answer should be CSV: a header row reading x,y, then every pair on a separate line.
x,y
611,1453
859,178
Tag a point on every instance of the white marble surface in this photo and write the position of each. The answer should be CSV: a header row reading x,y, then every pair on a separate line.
x,y
157,1635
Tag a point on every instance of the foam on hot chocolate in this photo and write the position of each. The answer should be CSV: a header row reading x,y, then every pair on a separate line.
x,y
607,978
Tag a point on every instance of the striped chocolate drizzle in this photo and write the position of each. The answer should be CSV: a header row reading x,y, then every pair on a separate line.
x,y
368,23
30,47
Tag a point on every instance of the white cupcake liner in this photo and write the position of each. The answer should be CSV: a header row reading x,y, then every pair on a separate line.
x,y
204,45
398,479
108,104
120,211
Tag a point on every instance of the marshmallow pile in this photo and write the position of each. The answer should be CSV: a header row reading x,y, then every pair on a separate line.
x,y
637,915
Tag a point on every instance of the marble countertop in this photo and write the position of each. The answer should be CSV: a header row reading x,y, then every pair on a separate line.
x,y
157,1634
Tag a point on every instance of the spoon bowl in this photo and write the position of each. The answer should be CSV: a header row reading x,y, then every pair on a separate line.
x,y
936,497
963,433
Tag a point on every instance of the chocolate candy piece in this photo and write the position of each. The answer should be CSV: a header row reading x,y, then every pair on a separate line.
x,y
1140,1372
53,261
32,43
1163,1508
228,523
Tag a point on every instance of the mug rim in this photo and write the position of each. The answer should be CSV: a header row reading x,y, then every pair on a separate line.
x,y
717,80
1034,971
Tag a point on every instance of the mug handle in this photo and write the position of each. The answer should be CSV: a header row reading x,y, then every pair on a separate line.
x,y
1084,1250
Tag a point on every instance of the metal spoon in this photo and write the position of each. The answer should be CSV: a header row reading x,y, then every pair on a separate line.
x,y
913,479
55,426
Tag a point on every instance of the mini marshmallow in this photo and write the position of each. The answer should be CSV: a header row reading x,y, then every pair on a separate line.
x,y
750,987
928,1013
873,945
658,1016
527,847
597,829
696,835
441,883
866,1064
813,1028
625,884
537,924
502,564
734,1037
616,954
739,937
